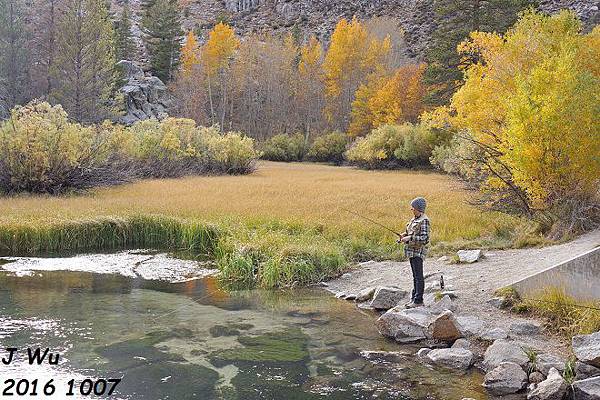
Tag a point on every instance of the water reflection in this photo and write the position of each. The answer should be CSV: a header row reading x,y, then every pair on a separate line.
x,y
190,340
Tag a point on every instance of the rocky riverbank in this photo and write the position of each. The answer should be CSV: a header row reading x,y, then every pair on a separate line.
x,y
463,324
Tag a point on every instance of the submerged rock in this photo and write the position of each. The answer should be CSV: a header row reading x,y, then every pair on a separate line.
x,y
469,256
385,298
444,327
587,348
506,378
587,389
451,358
553,388
504,351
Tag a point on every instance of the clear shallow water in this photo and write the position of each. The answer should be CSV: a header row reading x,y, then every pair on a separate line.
x,y
189,340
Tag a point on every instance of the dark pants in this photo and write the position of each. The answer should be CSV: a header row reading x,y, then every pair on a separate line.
x,y
416,264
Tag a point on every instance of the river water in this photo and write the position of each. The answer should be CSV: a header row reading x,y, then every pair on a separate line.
x,y
164,327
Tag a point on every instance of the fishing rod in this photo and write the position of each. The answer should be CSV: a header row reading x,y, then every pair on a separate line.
x,y
373,222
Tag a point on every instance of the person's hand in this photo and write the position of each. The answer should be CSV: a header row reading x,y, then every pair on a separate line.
x,y
405,239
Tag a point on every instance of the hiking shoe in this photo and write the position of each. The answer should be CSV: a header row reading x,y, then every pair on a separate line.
x,y
413,305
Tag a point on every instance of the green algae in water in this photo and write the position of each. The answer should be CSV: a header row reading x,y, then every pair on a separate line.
x,y
284,346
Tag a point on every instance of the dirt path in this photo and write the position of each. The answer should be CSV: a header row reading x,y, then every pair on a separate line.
x,y
475,283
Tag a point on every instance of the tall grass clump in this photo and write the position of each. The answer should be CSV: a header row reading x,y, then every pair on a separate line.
x,y
108,233
565,315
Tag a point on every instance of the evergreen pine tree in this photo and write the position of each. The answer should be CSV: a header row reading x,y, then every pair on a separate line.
x,y
125,48
163,35
84,64
13,55
454,20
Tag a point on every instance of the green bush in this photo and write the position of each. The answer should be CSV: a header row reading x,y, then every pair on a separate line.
x,y
329,148
176,146
395,146
41,151
283,147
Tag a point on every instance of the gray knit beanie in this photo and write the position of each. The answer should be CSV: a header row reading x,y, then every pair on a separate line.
x,y
419,204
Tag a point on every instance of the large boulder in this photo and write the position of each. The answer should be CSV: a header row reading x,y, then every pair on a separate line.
x,y
441,305
469,256
385,298
506,378
587,348
404,325
585,371
553,388
504,351
451,358
587,389
470,325
444,327
145,97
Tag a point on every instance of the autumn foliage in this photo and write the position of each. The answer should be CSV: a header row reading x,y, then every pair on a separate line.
x,y
529,109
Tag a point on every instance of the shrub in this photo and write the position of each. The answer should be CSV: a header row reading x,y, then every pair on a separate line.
x,y
284,147
329,148
41,151
176,146
394,146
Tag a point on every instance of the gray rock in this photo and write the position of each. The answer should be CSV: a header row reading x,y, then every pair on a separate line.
x,y
404,324
469,256
493,334
347,275
451,358
145,97
498,302
506,378
553,388
587,389
470,325
443,327
525,328
443,259
423,352
350,296
587,348
504,351
536,377
365,294
462,344
545,362
585,371
385,298
340,295
442,305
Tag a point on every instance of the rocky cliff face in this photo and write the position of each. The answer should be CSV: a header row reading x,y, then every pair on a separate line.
x,y
320,16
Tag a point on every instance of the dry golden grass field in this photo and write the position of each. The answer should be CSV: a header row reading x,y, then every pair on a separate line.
x,y
293,211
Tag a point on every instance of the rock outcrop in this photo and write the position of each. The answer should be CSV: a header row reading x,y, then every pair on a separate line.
x,y
145,97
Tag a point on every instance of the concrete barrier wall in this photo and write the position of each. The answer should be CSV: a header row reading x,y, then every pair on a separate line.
x,y
579,277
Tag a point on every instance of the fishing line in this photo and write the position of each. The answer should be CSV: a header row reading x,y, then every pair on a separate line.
x,y
372,221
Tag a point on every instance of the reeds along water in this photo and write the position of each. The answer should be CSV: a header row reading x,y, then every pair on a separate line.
x,y
108,233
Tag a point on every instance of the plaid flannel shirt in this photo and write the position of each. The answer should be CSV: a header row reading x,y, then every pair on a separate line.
x,y
420,238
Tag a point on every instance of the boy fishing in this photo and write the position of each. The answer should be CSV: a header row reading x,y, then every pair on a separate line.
x,y
415,239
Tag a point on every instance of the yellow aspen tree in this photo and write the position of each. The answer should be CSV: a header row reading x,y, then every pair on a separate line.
x,y
310,94
217,54
352,56
190,56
